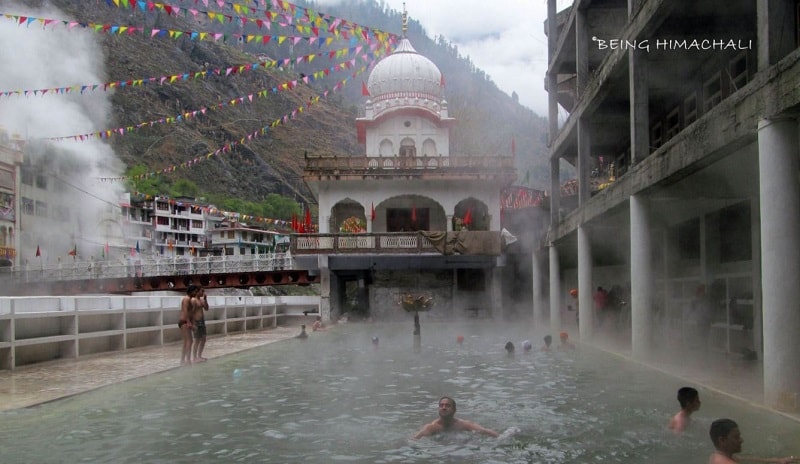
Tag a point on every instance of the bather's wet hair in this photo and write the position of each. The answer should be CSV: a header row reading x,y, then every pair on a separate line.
x,y
548,340
191,289
686,395
720,428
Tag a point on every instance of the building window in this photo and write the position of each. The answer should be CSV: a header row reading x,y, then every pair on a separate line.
x,y
690,109
673,122
197,224
27,206
738,70
656,136
41,209
27,177
735,232
162,221
230,234
41,181
712,92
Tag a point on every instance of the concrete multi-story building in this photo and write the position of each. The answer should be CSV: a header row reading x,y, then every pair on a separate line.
x,y
696,105
10,160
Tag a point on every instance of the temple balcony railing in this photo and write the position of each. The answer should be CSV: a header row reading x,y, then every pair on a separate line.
x,y
453,166
387,242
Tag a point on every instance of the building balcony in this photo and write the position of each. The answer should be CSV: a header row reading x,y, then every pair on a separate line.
x,y
458,167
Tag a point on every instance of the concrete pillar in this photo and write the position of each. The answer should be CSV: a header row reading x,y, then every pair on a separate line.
x,y
555,291
496,289
755,246
585,302
780,259
324,224
641,279
639,107
555,193
449,223
537,276
581,51
324,288
584,157
369,224
775,31
552,74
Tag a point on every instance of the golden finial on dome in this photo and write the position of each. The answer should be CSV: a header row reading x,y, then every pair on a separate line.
x,y
405,21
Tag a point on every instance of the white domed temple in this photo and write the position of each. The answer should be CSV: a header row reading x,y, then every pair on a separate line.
x,y
407,217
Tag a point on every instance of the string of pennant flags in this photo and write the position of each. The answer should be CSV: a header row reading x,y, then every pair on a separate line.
x,y
188,115
229,147
198,75
300,18
112,29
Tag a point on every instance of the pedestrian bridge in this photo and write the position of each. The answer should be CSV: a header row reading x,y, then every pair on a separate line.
x,y
73,277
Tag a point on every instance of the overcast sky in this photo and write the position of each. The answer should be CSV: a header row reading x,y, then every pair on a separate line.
x,y
505,38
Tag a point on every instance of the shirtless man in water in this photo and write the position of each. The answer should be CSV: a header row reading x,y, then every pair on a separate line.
x,y
448,422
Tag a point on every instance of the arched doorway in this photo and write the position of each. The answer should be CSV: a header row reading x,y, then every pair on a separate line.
x,y
471,214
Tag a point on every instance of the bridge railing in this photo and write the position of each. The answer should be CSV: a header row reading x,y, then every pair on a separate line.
x,y
148,266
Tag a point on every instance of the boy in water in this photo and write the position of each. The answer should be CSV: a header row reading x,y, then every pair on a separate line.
x,y
728,441
448,422
689,400
548,340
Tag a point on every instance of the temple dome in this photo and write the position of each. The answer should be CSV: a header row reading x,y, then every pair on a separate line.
x,y
407,73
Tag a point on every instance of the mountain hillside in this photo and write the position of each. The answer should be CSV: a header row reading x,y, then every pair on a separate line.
x,y
273,162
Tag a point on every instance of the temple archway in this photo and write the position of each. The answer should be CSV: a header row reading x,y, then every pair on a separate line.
x,y
471,214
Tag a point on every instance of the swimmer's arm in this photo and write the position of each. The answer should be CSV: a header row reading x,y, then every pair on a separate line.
x,y
786,460
428,429
477,428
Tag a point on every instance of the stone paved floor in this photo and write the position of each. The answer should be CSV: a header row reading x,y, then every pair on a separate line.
x,y
43,382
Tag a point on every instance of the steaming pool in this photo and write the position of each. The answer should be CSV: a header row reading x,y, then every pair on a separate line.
x,y
337,398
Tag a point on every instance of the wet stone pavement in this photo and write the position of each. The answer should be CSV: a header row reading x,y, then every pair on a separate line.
x,y
48,381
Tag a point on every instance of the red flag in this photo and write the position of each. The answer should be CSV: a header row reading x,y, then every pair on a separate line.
x,y
414,214
308,220
372,213
74,251
294,222
441,81
513,146
38,251
364,89
468,217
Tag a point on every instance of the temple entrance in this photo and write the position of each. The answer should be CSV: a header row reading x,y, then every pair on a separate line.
x,y
407,219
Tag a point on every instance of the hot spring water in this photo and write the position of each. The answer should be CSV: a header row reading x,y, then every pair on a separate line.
x,y
337,397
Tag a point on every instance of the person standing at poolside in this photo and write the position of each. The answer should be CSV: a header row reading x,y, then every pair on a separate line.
x,y
447,422
200,305
728,441
185,324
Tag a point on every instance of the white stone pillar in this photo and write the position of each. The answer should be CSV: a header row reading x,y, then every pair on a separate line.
x,y
555,291
537,274
449,224
780,259
324,224
369,224
324,288
496,289
641,279
585,302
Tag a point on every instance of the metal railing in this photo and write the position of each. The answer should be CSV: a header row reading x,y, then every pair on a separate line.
x,y
148,266
389,242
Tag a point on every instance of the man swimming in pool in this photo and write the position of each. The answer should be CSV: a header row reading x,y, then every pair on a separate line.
x,y
447,422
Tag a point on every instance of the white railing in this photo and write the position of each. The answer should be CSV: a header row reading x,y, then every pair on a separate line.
x,y
148,266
